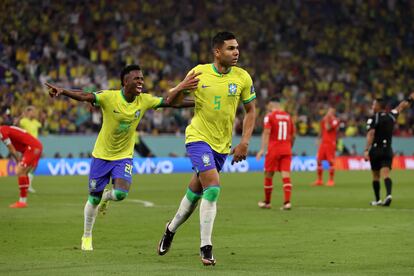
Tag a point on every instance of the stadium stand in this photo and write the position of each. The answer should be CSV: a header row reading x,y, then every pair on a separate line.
x,y
314,53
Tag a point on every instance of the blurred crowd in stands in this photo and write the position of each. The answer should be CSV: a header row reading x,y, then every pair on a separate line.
x,y
312,54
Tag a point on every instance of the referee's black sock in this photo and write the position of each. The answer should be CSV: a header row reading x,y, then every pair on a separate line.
x,y
388,185
376,186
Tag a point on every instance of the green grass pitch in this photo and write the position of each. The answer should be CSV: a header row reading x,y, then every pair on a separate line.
x,y
329,231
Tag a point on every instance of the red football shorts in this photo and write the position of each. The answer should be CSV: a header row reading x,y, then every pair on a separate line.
x,y
275,162
31,157
326,153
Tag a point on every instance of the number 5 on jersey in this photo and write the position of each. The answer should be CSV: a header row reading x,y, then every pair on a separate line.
x,y
217,100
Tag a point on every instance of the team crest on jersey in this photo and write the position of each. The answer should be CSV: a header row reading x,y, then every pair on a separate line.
x,y
137,113
232,89
206,159
92,184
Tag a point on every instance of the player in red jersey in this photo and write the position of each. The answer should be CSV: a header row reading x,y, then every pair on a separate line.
x,y
327,146
18,140
278,138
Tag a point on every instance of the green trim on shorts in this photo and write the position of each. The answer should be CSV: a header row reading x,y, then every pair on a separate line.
x,y
191,196
211,193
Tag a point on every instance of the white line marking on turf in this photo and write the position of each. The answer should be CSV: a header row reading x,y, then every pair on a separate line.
x,y
374,208
144,202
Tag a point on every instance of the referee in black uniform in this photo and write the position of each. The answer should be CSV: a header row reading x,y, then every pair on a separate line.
x,y
378,149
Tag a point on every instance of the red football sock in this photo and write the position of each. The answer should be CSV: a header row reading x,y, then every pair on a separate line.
x,y
287,189
23,185
268,188
319,170
331,172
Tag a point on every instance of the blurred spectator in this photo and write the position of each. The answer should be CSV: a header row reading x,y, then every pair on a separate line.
x,y
351,129
313,53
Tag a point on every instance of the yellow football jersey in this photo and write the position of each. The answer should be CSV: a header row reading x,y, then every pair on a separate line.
x,y
120,119
31,126
216,99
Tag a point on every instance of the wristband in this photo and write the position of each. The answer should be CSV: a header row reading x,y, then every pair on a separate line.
x,y
409,100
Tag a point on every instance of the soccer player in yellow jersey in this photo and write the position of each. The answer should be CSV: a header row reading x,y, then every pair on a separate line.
x,y
31,124
29,121
208,138
112,155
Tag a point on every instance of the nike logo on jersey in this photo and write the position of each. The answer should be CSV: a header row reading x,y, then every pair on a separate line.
x,y
116,111
204,86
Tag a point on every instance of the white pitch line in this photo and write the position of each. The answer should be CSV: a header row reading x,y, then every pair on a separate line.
x,y
374,208
144,202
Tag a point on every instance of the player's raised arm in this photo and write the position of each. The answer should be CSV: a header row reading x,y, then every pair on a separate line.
x,y
240,151
405,103
176,95
75,94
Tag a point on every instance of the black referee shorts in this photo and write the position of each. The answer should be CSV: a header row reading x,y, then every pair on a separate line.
x,y
380,158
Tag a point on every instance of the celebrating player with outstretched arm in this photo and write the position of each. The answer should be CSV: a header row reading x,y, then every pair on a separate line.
x,y
379,146
208,138
277,140
112,155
